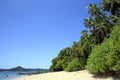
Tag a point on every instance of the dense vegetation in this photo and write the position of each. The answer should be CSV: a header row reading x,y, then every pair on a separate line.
x,y
98,48
105,58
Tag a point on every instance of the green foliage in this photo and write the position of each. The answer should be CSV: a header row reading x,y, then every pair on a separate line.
x,y
106,57
75,65
112,6
68,56
61,61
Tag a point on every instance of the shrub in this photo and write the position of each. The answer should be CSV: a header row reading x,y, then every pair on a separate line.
x,y
105,58
75,65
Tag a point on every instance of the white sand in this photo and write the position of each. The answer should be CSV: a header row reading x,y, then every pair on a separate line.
x,y
78,75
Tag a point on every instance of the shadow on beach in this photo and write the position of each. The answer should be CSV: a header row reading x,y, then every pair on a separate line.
x,y
112,77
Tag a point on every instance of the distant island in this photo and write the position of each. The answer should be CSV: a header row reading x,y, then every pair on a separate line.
x,y
19,68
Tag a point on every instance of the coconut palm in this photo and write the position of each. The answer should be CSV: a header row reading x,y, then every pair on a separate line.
x,y
96,11
111,5
88,22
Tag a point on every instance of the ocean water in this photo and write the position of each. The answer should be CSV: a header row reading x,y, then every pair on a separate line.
x,y
8,75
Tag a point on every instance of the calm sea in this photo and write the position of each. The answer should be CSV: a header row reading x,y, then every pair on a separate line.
x,y
8,75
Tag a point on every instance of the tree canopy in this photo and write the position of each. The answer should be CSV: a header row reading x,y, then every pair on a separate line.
x,y
105,58
95,42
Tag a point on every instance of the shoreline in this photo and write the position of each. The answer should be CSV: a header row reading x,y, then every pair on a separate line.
x,y
62,75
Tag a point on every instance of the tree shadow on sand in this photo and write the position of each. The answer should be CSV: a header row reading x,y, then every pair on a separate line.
x,y
112,77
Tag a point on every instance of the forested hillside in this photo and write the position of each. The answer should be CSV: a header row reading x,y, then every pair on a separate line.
x,y
98,49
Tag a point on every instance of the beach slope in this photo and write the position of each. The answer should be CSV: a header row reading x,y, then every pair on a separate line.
x,y
62,75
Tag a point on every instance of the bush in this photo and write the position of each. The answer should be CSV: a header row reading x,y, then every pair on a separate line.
x,y
105,58
75,65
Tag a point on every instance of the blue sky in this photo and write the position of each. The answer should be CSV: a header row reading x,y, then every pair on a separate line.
x,y
32,32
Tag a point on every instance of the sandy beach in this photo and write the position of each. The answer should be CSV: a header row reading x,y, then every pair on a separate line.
x,y
78,75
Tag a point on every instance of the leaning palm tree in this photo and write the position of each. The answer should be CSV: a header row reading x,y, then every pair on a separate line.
x,y
111,5
98,28
95,10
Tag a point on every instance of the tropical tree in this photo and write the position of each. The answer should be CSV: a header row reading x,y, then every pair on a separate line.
x,y
105,58
84,44
96,11
112,6
61,61
99,26
76,64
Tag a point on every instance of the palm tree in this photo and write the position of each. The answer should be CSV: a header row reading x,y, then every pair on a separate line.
x,y
84,44
112,5
76,49
88,22
98,29
96,11
99,24
93,9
